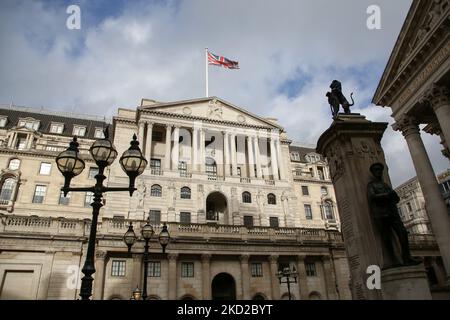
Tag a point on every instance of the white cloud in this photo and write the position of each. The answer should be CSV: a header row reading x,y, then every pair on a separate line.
x,y
156,50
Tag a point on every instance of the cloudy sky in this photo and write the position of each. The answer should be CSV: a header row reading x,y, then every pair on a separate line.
x,y
288,51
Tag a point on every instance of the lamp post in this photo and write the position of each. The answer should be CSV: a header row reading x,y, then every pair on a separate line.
x,y
147,233
104,153
286,274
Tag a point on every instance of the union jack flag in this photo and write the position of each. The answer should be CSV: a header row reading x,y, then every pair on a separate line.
x,y
222,61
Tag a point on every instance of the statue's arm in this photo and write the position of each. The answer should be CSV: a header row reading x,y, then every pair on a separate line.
x,y
373,195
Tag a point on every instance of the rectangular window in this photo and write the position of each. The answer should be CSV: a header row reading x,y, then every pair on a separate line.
x,y
56,128
79,131
45,168
185,217
305,190
154,269
3,122
157,136
39,193
310,269
93,171
320,172
154,217
118,268
295,156
308,211
248,221
64,200
98,133
155,163
53,148
256,269
21,142
187,269
274,223
88,199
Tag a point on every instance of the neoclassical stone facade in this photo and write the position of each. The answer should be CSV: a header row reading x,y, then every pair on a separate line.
x,y
415,85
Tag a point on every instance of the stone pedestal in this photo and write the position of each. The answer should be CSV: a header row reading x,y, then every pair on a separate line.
x,y
405,283
351,145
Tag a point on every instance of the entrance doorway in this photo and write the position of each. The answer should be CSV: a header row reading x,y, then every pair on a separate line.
x,y
223,287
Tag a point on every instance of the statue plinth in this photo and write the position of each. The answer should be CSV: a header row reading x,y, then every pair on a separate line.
x,y
405,283
351,145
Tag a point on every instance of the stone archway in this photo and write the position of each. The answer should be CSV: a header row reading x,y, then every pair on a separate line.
x,y
216,208
223,287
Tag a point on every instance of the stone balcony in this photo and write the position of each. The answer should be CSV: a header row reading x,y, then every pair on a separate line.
x,y
29,226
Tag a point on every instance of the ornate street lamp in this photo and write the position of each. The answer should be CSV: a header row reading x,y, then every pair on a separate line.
x,y
287,273
147,233
136,295
104,153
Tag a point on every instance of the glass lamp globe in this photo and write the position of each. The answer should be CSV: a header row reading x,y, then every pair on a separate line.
x,y
129,237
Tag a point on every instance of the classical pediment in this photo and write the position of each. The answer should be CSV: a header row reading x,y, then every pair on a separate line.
x,y
213,109
425,23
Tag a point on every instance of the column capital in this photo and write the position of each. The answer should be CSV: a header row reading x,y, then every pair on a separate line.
x,y
244,258
206,257
150,123
169,125
407,125
172,256
301,257
273,258
436,96
100,255
177,126
141,122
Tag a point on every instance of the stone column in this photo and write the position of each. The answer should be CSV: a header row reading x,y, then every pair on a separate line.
x,y
436,208
176,148
280,159
275,283
226,153
148,144
330,278
173,275
141,133
202,150
195,149
251,161
206,276
245,277
302,278
438,98
167,158
233,154
257,157
99,276
273,159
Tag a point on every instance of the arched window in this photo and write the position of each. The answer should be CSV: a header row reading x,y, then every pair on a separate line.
x,y
271,199
7,189
328,210
156,190
14,164
246,197
185,193
324,191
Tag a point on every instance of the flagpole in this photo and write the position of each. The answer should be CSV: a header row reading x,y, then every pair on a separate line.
x,y
206,71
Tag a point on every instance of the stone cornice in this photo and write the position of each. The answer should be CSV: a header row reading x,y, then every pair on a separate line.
x,y
39,154
404,62
203,119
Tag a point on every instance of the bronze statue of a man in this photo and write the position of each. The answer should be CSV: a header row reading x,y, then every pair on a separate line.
x,y
383,207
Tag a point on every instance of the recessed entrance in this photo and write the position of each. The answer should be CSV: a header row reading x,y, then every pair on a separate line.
x,y
216,208
223,287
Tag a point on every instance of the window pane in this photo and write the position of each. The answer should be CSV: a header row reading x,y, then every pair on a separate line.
x,y
99,133
88,199
64,200
256,269
154,217
308,211
305,190
271,199
248,221
39,194
274,223
156,190
185,193
310,269
14,164
185,217
154,269
187,269
93,171
2,122
118,268
45,168
7,189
